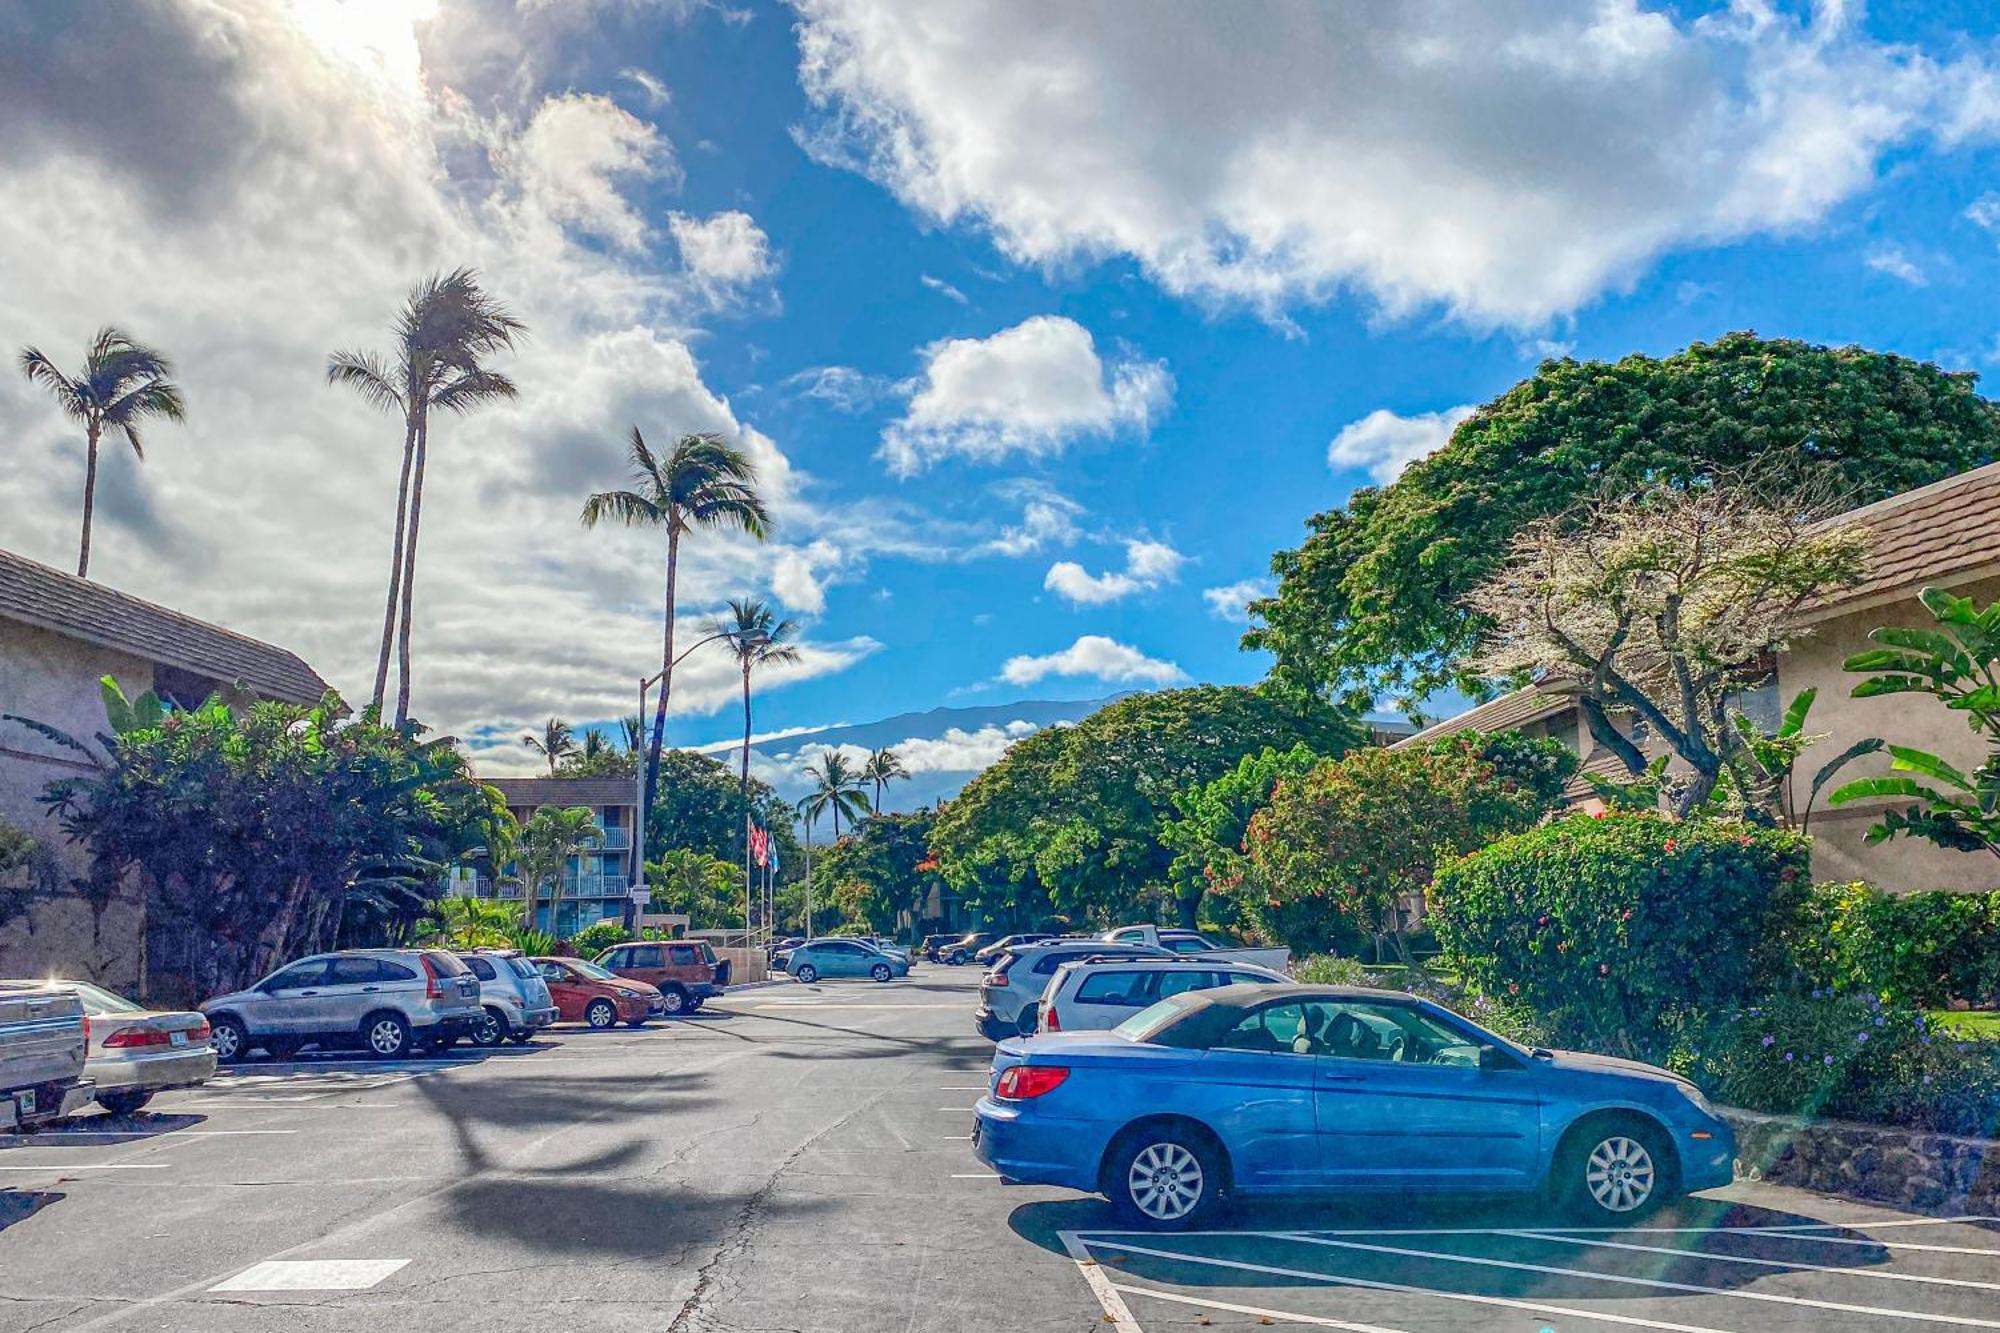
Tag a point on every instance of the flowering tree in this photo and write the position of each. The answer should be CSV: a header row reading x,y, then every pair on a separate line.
x,y
1357,836
1665,605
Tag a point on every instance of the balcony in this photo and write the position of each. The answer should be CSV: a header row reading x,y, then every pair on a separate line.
x,y
595,886
616,839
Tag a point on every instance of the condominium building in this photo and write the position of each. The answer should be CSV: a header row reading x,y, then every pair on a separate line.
x,y
595,885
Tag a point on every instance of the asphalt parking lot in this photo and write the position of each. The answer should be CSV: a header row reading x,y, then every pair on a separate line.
x,y
800,1159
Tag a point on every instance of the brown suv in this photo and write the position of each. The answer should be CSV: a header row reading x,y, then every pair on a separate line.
x,y
685,971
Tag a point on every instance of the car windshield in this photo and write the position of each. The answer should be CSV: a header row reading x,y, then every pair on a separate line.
x,y
96,1001
592,970
521,967
1148,1022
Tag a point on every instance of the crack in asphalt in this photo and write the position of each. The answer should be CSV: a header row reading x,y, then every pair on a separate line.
x,y
742,1224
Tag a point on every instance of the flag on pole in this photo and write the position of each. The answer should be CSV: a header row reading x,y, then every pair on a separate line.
x,y
771,852
760,844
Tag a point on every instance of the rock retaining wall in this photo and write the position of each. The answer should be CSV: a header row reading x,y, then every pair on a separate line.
x,y
1909,1169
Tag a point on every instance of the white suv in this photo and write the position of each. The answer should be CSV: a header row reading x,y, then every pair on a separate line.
x,y
512,993
1096,995
1007,994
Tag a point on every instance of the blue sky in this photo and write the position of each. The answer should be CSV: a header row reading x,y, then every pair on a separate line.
x,y
1051,322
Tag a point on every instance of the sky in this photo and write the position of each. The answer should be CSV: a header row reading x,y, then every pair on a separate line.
x,y
1045,323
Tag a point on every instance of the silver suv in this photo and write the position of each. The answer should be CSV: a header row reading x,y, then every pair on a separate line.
x,y
384,1001
513,998
1008,993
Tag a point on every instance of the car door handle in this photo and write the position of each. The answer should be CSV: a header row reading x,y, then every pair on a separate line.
x,y
369,990
302,994
1341,1078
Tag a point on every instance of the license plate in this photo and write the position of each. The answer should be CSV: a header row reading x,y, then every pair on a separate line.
x,y
25,1102
178,1038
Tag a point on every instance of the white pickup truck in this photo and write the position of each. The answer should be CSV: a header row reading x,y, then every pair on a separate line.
x,y
1192,943
42,1047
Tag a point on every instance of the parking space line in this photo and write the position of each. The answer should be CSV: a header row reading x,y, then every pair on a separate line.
x,y
958,1138
959,1110
1116,1312
977,1087
1403,1288
92,1166
1655,1283
1920,1247
1268,1316
1790,1265
311,1275
976,1175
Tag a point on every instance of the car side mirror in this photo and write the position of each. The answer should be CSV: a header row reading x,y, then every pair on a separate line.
x,y
1492,1057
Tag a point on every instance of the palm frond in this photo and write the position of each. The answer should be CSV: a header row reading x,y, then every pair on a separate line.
x,y
473,388
626,507
365,374
41,370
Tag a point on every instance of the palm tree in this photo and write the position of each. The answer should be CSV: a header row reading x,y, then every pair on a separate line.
x,y
542,855
595,747
836,787
882,768
445,329
758,638
633,728
468,922
704,482
554,744
123,383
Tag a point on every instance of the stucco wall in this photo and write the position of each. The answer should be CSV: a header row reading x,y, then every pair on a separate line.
x,y
54,680
1839,849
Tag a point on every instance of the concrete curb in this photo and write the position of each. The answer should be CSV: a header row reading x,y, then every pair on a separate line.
x,y
754,985
1918,1171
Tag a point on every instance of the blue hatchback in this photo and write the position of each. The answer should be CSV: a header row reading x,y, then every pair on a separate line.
x,y
839,957
1282,1090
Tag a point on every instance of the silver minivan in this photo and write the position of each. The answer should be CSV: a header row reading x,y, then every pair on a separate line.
x,y
384,1001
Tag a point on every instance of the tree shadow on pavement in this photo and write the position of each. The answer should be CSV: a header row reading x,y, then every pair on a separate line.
x,y
106,1130
20,1205
552,1215
1423,1242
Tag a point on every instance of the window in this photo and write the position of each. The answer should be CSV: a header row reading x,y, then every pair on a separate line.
x,y
553,972
352,972
1246,978
1393,1032
521,968
447,964
1273,1029
683,955
1052,960
1120,988
482,968
1181,980
1185,944
312,972
644,955
388,971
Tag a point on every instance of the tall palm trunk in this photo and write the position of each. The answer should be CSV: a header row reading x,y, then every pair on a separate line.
x,y
743,788
666,674
89,502
410,573
809,875
395,566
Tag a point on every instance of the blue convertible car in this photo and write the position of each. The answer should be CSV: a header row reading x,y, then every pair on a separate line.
x,y
1268,1090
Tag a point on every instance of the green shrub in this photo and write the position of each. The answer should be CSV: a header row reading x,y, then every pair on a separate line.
x,y
1845,1058
534,943
1919,949
1325,969
1606,926
595,939
1511,1020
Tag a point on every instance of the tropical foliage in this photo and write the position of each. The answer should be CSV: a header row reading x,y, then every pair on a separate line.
x,y
882,871
549,841
463,921
701,808
1209,822
262,835
707,888
444,334
1665,604
883,767
555,744
1344,845
595,938
1068,822
1374,603
836,788
123,384
757,638
1923,949
703,482
1956,665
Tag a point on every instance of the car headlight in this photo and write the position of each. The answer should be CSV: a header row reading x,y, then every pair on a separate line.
x,y
1695,1095
628,994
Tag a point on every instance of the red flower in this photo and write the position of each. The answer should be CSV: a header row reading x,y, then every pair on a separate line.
x,y
1542,920
1670,844
1562,946
1604,969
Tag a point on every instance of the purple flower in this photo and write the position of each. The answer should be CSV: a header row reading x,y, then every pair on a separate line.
x,y
1769,1040
1788,1057
1927,1080
1828,1061
1861,1037
1880,1020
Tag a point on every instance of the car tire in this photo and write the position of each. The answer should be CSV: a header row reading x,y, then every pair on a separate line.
x,y
1165,1176
1613,1170
227,1035
601,1014
880,972
491,1029
695,1003
520,1038
123,1103
674,1000
280,1050
386,1036
957,958
807,974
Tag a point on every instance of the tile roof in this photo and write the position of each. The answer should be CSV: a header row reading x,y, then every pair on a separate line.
x,y
530,793
1602,762
1928,534
32,593
1530,703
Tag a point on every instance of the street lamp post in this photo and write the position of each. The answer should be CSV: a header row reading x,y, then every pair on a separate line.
x,y
637,892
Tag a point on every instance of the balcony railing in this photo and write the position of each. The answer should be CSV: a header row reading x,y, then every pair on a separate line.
x,y
616,839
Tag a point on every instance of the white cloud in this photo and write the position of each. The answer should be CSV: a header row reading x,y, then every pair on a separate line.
x,y
1030,389
1386,443
268,242
1985,212
1148,564
1047,519
1095,656
943,288
1893,260
1507,161
649,85
724,253
572,155
1228,601
843,388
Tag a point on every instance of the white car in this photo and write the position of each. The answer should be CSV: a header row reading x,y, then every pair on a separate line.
x,y
1195,944
1094,996
135,1052
1007,993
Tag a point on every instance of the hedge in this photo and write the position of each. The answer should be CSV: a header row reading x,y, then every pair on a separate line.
x,y
595,938
1608,926
1921,949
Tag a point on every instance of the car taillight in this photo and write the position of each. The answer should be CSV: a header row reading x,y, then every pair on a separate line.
x,y
433,983
997,977
1021,1082
202,1033
1050,1023
138,1037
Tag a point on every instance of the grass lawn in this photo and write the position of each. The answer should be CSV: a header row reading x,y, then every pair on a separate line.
x,y
1981,1023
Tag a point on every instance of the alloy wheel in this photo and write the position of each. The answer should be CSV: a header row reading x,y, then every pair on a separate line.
x,y
385,1037
673,1001
1619,1174
228,1041
1166,1181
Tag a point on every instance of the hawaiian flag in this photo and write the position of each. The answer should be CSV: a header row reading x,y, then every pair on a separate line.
x,y
760,845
